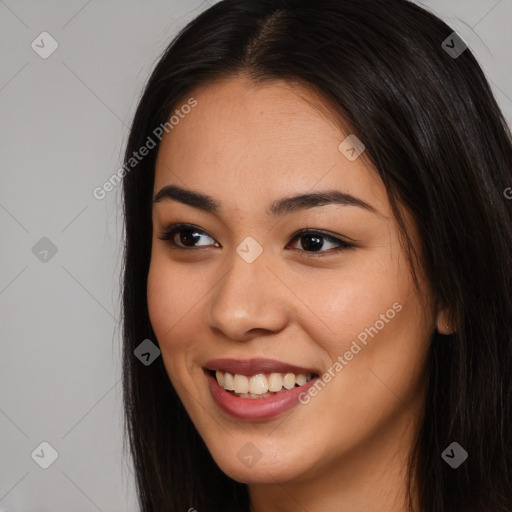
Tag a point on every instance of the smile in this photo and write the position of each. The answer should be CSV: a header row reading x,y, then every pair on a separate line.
x,y
260,385
257,389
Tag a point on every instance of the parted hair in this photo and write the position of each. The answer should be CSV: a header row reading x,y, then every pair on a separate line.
x,y
439,142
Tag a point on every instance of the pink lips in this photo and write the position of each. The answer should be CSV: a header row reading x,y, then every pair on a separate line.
x,y
260,408
250,367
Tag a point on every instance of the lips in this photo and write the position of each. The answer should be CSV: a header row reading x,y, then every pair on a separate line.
x,y
250,367
247,409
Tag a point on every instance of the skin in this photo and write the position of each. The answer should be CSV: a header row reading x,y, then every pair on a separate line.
x,y
248,144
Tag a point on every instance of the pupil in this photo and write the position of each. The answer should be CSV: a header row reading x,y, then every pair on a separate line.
x,y
316,245
186,235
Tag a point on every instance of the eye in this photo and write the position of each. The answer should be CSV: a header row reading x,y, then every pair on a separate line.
x,y
312,240
188,236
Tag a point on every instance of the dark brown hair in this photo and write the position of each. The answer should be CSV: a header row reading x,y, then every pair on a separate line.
x,y
438,140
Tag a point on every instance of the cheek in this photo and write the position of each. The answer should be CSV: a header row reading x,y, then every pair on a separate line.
x,y
161,297
351,301
373,320
381,334
172,291
171,295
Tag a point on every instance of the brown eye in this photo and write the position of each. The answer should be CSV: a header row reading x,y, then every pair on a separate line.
x,y
314,241
188,236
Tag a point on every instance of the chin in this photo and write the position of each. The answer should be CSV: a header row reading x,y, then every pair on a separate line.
x,y
260,473
257,462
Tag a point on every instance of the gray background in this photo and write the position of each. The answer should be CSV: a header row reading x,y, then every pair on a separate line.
x,y
64,123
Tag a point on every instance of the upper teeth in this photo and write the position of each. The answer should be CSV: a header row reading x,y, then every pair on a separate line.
x,y
260,383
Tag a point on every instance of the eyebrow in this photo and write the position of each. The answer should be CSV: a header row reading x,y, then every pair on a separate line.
x,y
278,208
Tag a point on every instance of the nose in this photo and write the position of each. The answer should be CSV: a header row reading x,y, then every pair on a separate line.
x,y
249,301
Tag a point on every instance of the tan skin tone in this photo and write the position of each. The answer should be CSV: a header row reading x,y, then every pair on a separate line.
x,y
246,145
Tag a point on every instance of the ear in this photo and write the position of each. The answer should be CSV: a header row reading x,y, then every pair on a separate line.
x,y
444,324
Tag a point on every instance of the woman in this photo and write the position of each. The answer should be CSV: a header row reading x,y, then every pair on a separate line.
x,y
319,244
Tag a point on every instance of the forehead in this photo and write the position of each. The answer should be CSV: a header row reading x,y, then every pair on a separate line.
x,y
253,141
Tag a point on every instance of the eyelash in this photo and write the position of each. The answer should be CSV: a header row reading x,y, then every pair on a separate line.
x,y
168,234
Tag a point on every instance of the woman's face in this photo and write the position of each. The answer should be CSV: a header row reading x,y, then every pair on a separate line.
x,y
241,284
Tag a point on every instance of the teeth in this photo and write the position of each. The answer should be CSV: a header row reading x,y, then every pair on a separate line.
x,y
241,383
260,385
228,382
289,381
275,382
301,379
